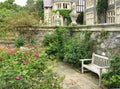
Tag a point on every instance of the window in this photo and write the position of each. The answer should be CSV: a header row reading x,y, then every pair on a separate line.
x,y
111,16
58,5
65,5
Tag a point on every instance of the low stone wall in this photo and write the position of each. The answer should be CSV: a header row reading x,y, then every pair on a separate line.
x,y
36,32
108,45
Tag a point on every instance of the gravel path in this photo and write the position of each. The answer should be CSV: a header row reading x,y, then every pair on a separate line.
x,y
74,79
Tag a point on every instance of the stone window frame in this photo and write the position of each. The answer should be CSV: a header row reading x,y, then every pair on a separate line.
x,y
90,18
118,14
89,3
111,2
58,5
111,16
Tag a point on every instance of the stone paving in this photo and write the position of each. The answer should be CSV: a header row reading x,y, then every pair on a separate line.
x,y
74,79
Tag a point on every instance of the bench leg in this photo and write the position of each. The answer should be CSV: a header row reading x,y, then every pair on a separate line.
x,y
82,68
100,77
100,80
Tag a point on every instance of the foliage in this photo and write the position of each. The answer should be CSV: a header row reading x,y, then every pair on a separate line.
x,y
103,33
70,49
102,6
39,6
23,18
55,42
35,7
10,17
102,36
8,4
65,14
19,41
78,48
80,18
112,77
27,68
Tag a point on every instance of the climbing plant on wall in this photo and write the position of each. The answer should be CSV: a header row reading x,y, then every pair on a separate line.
x,y
65,14
102,6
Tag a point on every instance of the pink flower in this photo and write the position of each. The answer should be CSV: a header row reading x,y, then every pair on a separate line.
x,y
0,49
7,47
24,51
11,51
17,78
25,62
37,55
35,46
112,69
0,59
28,46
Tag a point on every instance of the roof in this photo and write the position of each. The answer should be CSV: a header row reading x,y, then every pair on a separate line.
x,y
47,3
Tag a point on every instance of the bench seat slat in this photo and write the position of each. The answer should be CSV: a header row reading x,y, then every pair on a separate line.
x,y
94,68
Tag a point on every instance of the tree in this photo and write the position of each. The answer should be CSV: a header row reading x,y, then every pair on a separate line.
x,y
10,5
39,7
35,7
31,5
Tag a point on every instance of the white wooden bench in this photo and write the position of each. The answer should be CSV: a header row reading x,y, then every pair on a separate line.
x,y
99,64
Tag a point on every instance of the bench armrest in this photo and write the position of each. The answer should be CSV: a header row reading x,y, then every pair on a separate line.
x,y
85,59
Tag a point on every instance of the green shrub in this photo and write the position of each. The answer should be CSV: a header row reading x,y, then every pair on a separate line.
x,y
19,41
27,68
112,78
55,43
62,46
79,47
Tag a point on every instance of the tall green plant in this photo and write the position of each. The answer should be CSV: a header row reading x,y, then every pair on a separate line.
x,y
102,6
55,43
78,48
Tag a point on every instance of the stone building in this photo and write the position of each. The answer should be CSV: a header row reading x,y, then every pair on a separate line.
x,y
113,12
51,18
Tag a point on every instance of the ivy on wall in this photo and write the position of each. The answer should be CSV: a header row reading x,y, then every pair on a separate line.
x,y
80,18
102,6
64,14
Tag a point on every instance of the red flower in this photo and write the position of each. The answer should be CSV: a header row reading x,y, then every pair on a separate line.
x,y
17,78
0,49
25,62
37,55
112,68
0,59
7,46
35,46
24,51
28,46
11,51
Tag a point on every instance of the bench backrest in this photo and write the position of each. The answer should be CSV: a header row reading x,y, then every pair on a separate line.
x,y
100,60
